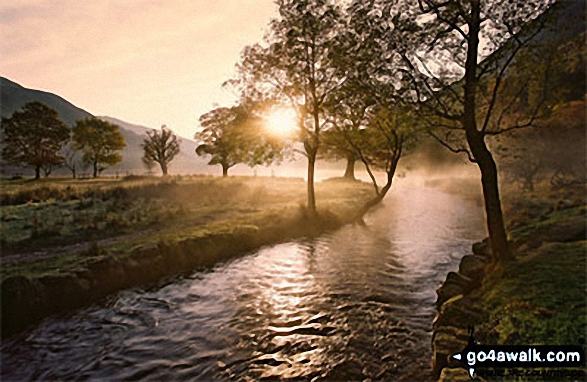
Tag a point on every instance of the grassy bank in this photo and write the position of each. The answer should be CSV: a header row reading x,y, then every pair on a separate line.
x,y
540,298
52,227
90,239
537,299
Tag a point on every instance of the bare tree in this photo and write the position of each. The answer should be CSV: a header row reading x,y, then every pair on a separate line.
x,y
160,147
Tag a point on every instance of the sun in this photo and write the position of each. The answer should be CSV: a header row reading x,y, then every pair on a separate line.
x,y
282,122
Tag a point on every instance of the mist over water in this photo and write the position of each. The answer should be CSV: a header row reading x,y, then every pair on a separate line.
x,y
353,304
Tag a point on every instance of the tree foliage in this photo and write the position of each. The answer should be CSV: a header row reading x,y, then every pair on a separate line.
x,y
295,67
555,151
99,142
234,135
33,137
436,45
160,147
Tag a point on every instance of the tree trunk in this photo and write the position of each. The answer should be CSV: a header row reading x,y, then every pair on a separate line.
x,y
224,170
95,169
350,167
489,181
476,142
164,168
37,172
381,194
311,194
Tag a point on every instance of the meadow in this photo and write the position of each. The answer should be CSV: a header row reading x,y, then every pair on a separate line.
x,y
53,225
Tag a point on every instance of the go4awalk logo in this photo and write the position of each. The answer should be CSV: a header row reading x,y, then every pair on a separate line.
x,y
475,356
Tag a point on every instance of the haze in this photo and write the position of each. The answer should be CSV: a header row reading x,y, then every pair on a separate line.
x,y
146,62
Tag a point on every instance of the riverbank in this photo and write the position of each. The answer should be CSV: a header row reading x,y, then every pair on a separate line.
x,y
109,235
537,299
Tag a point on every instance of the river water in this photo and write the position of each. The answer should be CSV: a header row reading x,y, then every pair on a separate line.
x,y
352,304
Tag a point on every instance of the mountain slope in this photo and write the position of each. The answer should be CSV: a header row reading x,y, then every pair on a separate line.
x,y
185,162
14,96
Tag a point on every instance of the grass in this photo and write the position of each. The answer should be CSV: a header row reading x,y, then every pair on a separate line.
x,y
540,297
70,222
544,303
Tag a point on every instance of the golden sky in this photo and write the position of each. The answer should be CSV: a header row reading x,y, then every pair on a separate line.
x,y
148,62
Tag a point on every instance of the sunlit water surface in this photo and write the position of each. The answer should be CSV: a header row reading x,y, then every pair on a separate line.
x,y
353,304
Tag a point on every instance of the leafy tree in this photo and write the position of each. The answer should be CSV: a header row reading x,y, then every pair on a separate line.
x,y
99,142
33,137
160,147
335,147
437,46
365,109
233,135
390,133
295,67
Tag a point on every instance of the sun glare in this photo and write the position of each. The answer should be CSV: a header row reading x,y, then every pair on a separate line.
x,y
282,122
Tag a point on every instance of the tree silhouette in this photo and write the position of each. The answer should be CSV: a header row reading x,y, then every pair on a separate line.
x,y
233,135
296,68
436,46
160,147
99,142
33,137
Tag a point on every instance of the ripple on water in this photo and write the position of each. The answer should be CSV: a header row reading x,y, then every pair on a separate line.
x,y
353,304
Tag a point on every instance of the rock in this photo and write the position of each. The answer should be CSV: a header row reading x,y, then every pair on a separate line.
x,y
446,342
454,374
473,266
454,285
483,249
459,312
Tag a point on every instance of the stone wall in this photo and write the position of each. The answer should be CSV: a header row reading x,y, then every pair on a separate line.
x,y
457,311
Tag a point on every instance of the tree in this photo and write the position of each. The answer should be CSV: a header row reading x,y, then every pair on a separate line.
x,y
160,147
295,67
555,150
335,147
391,131
99,142
72,159
233,135
33,137
474,109
438,45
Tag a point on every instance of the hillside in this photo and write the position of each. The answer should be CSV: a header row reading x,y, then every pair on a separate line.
x,y
13,96
185,162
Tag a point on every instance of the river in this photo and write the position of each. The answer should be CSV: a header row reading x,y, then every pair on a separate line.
x,y
356,303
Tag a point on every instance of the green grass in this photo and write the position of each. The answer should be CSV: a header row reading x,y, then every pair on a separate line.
x,y
121,216
541,297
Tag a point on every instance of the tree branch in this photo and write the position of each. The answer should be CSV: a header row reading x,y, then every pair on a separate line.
x,y
454,150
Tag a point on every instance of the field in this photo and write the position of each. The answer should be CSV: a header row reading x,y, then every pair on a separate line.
x,y
52,226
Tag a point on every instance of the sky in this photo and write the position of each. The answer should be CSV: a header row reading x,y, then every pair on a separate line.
x,y
147,62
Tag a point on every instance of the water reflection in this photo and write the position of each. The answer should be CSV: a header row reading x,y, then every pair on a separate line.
x,y
353,304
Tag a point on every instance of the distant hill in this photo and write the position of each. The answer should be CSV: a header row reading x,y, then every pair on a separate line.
x,y
185,162
14,96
